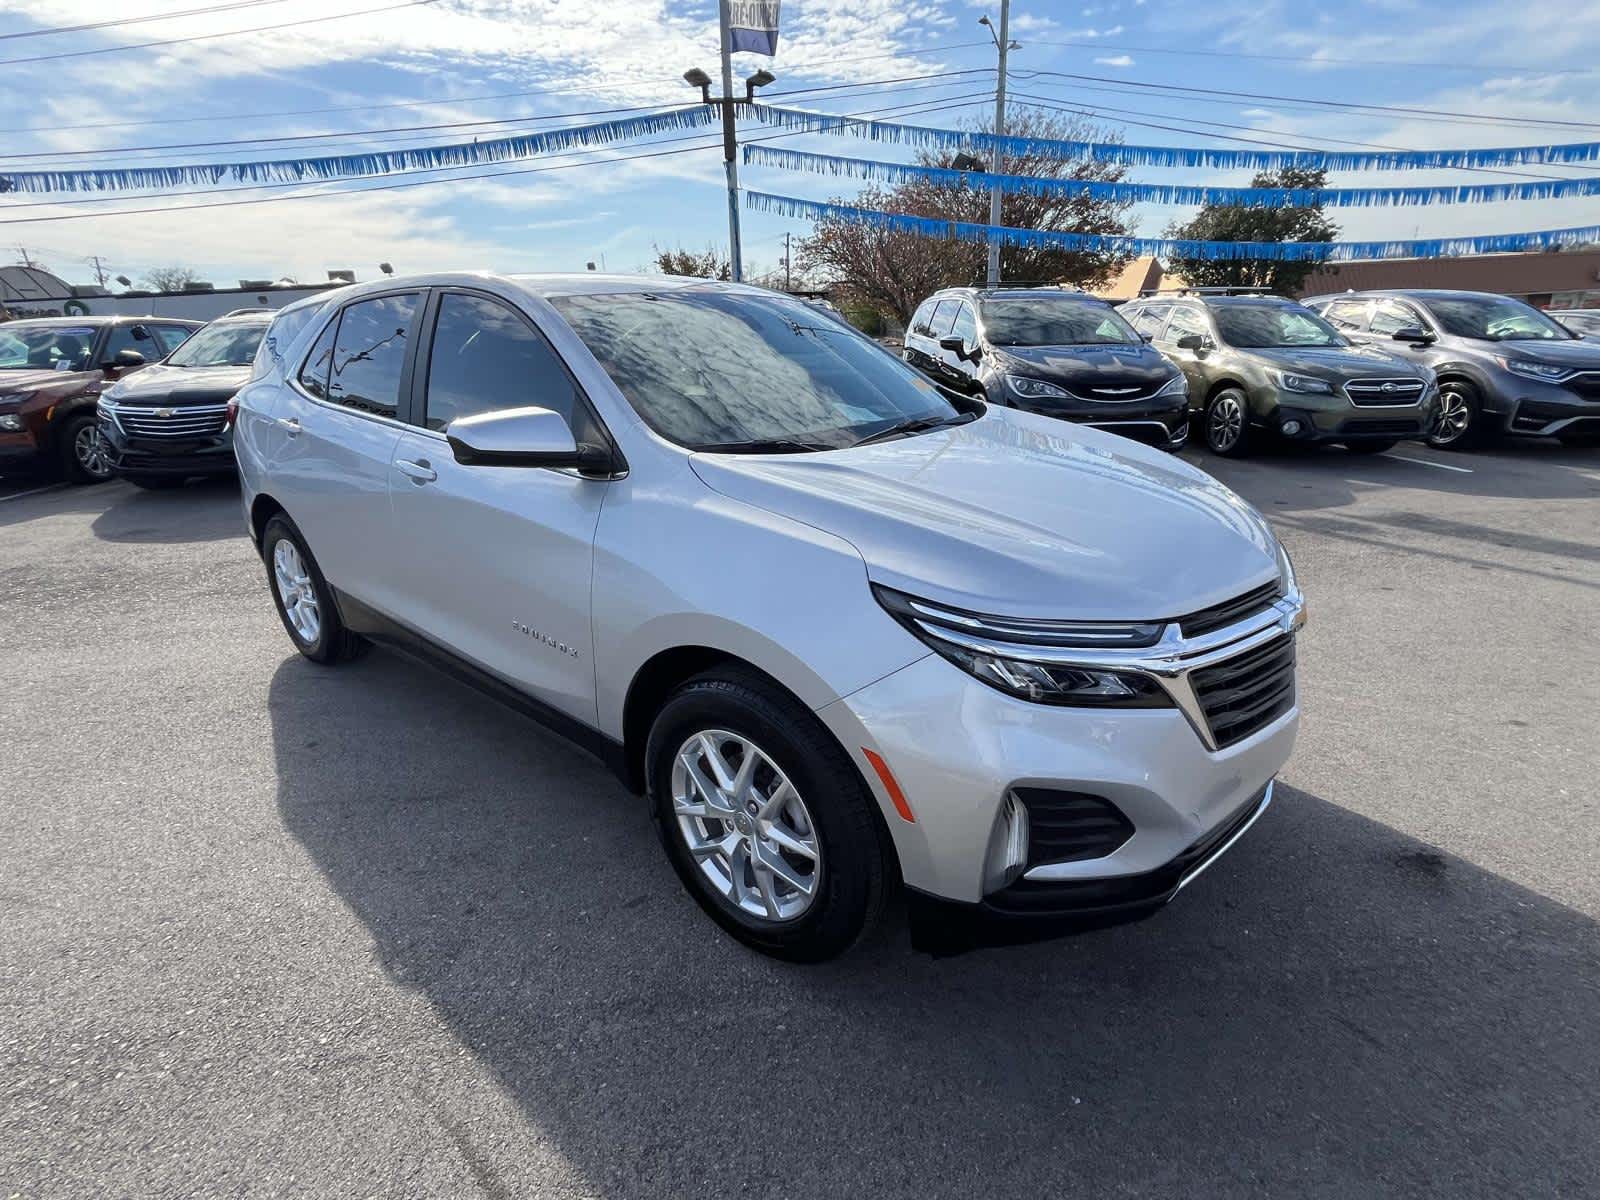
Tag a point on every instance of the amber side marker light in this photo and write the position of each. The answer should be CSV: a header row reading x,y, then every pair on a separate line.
x,y
891,785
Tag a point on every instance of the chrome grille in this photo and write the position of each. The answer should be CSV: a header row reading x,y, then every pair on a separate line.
x,y
1381,393
1246,693
1119,393
197,421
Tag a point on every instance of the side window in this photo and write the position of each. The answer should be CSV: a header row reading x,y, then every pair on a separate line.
x,y
1186,320
922,317
172,336
132,337
1149,321
369,354
485,357
1392,315
314,375
943,318
1346,314
966,325
284,329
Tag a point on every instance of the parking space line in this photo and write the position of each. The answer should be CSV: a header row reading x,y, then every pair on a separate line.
x,y
1422,462
54,487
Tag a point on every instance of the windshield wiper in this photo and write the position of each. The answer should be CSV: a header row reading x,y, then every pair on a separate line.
x,y
765,446
915,425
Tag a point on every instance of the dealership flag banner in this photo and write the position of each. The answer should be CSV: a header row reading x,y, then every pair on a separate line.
x,y
753,26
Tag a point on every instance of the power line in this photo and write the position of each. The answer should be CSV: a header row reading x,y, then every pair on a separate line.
x,y
1339,104
207,37
564,88
943,105
166,16
1319,60
348,134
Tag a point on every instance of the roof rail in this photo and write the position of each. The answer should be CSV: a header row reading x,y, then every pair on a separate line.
x,y
244,312
1207,291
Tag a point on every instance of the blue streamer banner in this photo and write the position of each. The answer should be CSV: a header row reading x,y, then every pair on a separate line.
x,y
811,210
1161,193
928,138
338,166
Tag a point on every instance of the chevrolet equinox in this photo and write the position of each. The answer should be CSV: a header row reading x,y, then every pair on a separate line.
x,y
843,630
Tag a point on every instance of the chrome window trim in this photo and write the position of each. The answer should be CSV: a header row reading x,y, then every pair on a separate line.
x,y
1171,661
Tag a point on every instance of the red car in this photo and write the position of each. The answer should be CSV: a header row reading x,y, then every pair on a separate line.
x,y
51,373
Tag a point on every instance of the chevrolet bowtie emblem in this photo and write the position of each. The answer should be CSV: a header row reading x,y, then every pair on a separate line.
x,y
166,412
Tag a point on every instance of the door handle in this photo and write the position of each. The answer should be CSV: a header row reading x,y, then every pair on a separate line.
x,y
290,425
419,472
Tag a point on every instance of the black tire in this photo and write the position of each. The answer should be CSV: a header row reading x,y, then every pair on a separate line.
x,y
333,643
1454,436
856,866
1377,447
156,483
1224,436
76,466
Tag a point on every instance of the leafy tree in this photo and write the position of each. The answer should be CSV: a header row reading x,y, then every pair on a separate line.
x,y
171,279
710,263
893,272
1237,223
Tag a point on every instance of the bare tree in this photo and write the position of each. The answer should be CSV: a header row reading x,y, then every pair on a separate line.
x,y
171,279
893,271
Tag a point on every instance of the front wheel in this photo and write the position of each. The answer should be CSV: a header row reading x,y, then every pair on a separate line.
x,y
1460,422
766,820
85,453
1227,423
1370,447
303,598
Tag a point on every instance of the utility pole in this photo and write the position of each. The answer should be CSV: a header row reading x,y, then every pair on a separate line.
x,y
786,262
99,269
730,147
997,163
22,257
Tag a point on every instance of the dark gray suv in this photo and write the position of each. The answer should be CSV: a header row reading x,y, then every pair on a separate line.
x,y
1503,366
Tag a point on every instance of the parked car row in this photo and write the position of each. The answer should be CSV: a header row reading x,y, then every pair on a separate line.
x,y
1364,371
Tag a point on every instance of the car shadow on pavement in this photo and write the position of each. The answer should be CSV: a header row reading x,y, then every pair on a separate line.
x,y
209,510
1335,1009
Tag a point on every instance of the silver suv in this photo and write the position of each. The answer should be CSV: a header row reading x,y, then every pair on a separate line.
x,y
842,631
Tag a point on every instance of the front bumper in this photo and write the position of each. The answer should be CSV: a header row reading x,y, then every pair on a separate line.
x,y
1160,421
1533,409
18,450
210,454
1311,418
957,747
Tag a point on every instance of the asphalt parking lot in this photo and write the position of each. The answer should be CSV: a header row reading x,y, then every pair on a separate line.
x,y
271,929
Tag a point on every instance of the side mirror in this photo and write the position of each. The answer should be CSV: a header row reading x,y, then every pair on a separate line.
x,y
1415,334
958,346
1193,341
522,437
1147,338
123,360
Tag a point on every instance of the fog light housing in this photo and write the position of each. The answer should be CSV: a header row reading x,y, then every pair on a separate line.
x,y
1008,845
1291,426
11,423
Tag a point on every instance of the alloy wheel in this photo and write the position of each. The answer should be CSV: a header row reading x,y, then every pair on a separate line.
x,y
745,826
93,454
1455,415
1224,423
296,592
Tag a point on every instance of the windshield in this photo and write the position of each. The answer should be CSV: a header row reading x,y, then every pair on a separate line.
x,y
1494,319
1054,321
712,370
1581,322
25,347
220,345
1261,326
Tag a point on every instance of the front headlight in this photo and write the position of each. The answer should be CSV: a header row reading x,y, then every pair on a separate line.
x,y
1549,372
1031,676
1305,384
1036,389
1285,570
1176,386
11,422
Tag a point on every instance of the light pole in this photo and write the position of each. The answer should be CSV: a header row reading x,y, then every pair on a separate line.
x,y
730,143
1003,44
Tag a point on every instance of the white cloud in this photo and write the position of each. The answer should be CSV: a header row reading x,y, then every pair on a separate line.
x,y
1116,60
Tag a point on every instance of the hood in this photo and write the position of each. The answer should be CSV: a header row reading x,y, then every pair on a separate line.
x,y
1087,367
33,380
1341,362
1582,355
1017,515
178,386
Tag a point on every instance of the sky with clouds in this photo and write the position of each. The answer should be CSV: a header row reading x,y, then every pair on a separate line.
x,y
1507,75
